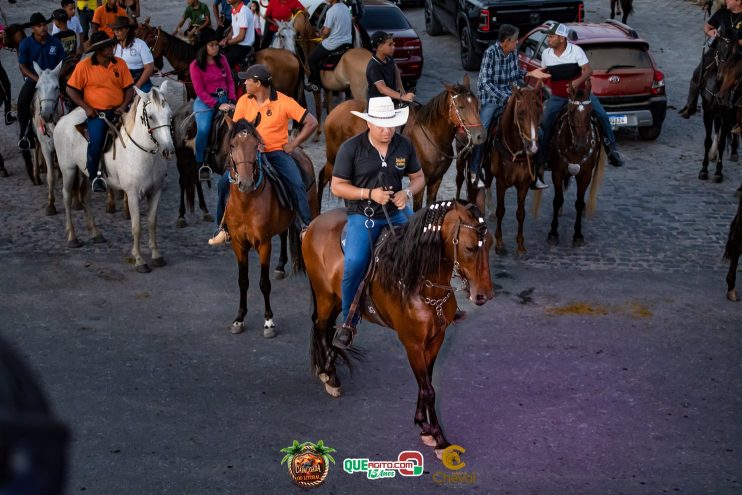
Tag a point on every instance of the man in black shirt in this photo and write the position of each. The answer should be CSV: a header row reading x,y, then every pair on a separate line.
x,y
727,23
368,175
382,74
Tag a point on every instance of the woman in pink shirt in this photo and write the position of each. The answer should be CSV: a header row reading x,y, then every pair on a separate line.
x,y
214,86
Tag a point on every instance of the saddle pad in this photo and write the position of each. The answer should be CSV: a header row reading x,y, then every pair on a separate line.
x,y
282,193
332,59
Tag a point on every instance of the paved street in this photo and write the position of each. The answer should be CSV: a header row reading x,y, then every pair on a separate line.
x,y
609,368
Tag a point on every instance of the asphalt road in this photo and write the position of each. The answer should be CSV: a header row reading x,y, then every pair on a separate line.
x,y
611,368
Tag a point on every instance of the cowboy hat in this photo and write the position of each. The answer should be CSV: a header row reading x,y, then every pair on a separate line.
x,y
100,40
205,36
381,113
36,19
121,21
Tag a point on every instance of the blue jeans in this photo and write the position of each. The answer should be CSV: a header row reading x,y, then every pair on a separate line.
x,y
97,129
289,172
488,113
204,115
358,251
136,74
553,106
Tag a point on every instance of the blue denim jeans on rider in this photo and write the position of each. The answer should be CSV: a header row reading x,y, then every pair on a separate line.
x,y
97,129
488,113
288,170
553,105
358,251
204,115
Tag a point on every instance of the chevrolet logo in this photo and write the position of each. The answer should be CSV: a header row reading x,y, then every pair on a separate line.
x,y
614,79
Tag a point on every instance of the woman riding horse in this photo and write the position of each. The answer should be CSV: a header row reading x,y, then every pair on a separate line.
x,y
363,176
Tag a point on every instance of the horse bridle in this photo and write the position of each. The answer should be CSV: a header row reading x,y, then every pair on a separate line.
x,y
150,130
257,168
469,144
572,133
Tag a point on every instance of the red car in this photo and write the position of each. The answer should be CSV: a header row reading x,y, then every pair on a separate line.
x,y
625,76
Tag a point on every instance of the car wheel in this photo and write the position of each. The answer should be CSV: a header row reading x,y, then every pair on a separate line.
x,y
432,26
650,133
469,58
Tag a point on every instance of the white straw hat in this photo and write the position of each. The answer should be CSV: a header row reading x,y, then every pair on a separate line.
x,y
381,112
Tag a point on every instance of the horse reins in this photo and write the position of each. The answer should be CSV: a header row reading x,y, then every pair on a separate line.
x,y
469,144
150,130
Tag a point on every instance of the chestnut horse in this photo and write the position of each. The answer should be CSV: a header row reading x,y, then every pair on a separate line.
x,y
253,215
284,65
576,150
512,152
410,288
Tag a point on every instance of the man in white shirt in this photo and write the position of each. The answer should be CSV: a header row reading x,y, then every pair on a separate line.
x,y
240,42
567,66
336,32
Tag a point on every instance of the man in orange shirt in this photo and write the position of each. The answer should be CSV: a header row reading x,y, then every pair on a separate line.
x,y
101,85
106,14
275,110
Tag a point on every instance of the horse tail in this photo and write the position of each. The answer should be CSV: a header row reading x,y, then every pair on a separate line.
x,y
190,193
297,260
537,195
598,173
734,241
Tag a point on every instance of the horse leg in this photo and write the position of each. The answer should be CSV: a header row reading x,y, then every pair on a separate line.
x,y
136,232
110,201
89,220
461,166
241,252
30,167
181,222
613,9
733,155
67,185
323,178
318,109
433,191
553,237
732,277
520,214
50,177
708,122
582,183
283,257
264,251
500,213
125,201
153,200
207,217
722,137
417,199
323,331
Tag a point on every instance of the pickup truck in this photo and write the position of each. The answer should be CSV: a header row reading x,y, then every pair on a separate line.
x,y
476,22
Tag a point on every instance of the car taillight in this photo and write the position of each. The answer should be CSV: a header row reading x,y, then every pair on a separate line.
x,y
484,20
580,12
658,83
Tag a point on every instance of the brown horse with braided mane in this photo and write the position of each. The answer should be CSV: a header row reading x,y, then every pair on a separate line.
x,y
410,288
575,151
254,215
432,127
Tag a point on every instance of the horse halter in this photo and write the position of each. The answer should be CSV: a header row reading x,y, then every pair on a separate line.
x,y
462,124
257,167
150,130
524,138
581,105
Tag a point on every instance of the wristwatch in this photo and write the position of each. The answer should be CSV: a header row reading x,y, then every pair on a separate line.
x,y
408,193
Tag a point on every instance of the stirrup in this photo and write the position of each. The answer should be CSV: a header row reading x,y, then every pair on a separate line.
x,y
24,144
99,180
221,236
342,345
204,169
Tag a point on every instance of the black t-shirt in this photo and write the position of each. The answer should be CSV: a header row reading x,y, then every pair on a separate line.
x,y
359,162
69,41
729,25
376,71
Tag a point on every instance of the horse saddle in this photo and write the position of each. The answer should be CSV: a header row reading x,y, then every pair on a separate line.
x,y
111,134
333,58
280,186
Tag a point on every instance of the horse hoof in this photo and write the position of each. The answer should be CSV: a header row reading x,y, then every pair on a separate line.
x,y
269,332
718,178
501,251
553,240
577,242
74,244
734,157
732,295
237,327
158,262
703,175
280,273
51,210
143,268
333,391
99,239
428,440
111,209
208,217
180,223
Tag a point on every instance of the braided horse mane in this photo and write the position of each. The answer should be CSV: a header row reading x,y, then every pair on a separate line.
x,y
416,248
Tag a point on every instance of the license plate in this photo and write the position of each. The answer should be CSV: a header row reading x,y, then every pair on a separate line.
x,y
618,120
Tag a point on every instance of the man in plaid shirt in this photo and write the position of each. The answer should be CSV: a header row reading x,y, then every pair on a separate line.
x,y
499,70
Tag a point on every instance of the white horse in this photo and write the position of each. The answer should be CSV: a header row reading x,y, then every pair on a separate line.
x,y
130,165
285,37
46,110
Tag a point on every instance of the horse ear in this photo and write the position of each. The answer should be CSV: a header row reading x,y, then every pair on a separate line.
x,y
146,22
141,93
36,68
56,69
571,91
588,87
467,82
229,121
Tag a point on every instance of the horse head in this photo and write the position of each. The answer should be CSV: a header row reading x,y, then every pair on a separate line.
x,y
579,115
285,37
243,153
730,78
527,110
155,113
467,246
13,36
463,112
47,91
